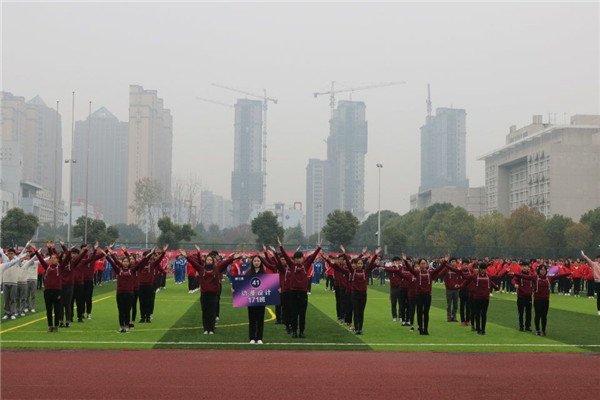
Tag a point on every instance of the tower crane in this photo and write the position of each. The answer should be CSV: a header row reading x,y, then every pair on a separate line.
x,y
214,102
333,92
265,99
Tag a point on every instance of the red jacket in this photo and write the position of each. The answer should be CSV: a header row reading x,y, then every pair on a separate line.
x,y
299,272
577,271
126,278
210,277
70,271
481,285
541,290
425,278
146,274
452,280
525,289
53,273
395,273
412,284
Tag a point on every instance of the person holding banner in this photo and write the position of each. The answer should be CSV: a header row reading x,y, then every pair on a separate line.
x,y
256,314
210,285
298,270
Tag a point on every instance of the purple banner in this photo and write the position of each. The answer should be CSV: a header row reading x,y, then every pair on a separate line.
x,y
255,290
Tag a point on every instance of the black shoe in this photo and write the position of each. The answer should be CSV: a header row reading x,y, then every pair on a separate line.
x,y
521,329
131,326
142,320
62,325
148,320
543,333
66,325
538,333
528,330
301,335
479,333
425,332
294,335
79,319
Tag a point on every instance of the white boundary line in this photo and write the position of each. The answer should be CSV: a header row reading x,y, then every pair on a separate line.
x,y
306,344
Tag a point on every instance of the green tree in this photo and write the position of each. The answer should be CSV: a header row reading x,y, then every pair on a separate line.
x,y
46,232
294,236
367,231
555,228
578,237
130,233
525,234
17,227
172,234
592,220
146,197
490,234
340,228
97,231
452,230
238,236
393,236
266,228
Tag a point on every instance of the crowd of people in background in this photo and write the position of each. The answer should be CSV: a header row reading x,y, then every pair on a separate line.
x,y
68,278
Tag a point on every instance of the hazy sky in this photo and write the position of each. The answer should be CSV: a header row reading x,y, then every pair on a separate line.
x,y
501,62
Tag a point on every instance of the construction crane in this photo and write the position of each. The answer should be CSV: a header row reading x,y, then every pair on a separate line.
x,y
214,102
333,92
265,99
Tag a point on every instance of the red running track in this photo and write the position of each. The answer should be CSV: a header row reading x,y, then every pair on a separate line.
x,y
264,375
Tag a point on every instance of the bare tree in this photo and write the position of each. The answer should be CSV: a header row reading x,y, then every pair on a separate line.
x,y
147,197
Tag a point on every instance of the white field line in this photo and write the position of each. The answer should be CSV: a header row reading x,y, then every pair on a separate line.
x,y
525,345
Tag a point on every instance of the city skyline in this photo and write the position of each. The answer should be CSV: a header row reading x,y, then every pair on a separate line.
x,y
474,71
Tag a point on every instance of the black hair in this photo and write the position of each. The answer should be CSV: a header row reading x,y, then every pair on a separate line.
x,y
396,258
261,268
75,251
298,254
11,250
483,265
452,259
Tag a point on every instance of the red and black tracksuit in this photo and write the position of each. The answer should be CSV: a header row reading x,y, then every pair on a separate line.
x,y
480,286
146,277
126,281
210,284
524,293
298,276
398,292
453,282
68,280
53,287
411,295
541,296
424,281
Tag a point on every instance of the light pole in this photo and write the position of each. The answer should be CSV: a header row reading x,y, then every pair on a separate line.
x,y
71,161
56,169
318,223
87,174
379,166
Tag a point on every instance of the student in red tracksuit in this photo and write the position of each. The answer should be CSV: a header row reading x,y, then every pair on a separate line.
x,y
146,277
53,285
524,293
210,276
541,294
482,283
588,276
452,281
68,280
88,280
125,272
411,297
577,273
358,277
398,290
298,270
136,286
425,278
256,314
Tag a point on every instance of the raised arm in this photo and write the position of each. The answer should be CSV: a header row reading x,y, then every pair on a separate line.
x,y
222,265
310,259
288,260
558,276
408,265
114,261
522,276
372,264
436,272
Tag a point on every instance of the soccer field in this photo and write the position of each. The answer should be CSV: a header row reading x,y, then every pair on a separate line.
x,y
573,326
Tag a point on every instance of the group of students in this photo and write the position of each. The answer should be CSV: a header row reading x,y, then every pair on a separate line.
x,y
69,281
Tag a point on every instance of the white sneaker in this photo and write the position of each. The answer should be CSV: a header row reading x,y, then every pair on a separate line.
x,y
206,332
211,333
252,341
22,314
190,291
395,319
26,310
217,318
598,312
259,342
89,316
32,310
7,317
13,317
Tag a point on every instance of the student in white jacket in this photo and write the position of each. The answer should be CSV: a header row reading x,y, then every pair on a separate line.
x,y
31,268
10,275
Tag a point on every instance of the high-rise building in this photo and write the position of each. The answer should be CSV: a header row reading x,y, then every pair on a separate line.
x,y
150,144
346,149
31,156
443,150
552,168
215,210
107,179
316,171
247,178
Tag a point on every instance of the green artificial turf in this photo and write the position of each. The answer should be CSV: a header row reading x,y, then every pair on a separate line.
x,y
572,326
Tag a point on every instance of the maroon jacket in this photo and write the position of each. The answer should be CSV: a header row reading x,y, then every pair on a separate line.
x,y
541,286
68,275
53,273
299,272
525,289
452,280
412,284
396,281
425,278
146,273
481,285
126,278
210,277
85,270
